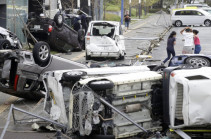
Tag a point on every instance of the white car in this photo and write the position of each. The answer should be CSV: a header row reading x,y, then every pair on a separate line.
x,y
104,39
207,10
190,17
197,5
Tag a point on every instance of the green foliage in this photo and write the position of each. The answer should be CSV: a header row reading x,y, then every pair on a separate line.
x,y
112,17
113,8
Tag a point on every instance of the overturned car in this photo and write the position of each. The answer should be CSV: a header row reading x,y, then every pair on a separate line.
x,y
21,75
64,33
139,103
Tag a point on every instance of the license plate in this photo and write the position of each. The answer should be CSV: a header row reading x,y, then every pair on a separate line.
x,y
36,26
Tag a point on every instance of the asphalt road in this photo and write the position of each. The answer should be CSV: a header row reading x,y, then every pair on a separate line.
x,y
150,27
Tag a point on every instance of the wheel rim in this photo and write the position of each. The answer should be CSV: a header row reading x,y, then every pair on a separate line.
x,y
44,52
75,73
178,23
198,62
207,23
60,19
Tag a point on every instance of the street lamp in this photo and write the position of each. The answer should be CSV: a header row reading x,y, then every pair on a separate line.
x,y
130,7
89,5
122,11
78,4
140,9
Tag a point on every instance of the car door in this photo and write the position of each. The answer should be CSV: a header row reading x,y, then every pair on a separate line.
x,y
197,18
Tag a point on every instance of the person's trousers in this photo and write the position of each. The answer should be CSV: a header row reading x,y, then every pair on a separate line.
x,y
169,53
197,49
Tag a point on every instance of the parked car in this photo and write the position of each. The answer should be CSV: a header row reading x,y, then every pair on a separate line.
x,y
198,5
134,103
104,39
207,10
64,33
190,17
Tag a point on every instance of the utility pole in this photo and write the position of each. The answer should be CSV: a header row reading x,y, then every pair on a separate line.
x,y
130,7
140,9
122,11
79,4
89,5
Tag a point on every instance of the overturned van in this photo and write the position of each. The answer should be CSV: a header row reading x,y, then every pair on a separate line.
x,y
134,103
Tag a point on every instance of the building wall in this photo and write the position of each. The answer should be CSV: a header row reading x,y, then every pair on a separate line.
x,y
17,12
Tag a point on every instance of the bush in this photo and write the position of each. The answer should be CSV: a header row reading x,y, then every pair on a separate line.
x,y
112,17
113,8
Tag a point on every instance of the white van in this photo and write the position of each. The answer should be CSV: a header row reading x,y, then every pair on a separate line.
x,y
190,17
104,39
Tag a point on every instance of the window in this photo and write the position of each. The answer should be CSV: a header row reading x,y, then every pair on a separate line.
x,y
178,13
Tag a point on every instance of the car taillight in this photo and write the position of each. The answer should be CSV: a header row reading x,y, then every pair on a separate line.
x,y
16,82
50,28
87,40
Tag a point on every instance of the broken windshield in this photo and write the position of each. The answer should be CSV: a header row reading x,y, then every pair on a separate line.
x,y
103,30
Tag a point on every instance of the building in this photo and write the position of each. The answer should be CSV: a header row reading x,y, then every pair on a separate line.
x,y
12,15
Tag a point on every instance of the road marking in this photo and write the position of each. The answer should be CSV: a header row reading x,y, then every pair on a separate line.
x,y
7,103
78,57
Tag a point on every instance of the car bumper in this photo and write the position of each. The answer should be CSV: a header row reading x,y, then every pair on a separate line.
x,y
104,54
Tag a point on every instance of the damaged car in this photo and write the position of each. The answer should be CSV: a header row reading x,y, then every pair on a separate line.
x,y
105,39
9,40
142,103
64,33
21,75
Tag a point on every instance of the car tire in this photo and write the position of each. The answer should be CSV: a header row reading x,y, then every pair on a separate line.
x,y
4,44
207,23
59,19
103,137
41,53
198,62
81,35
159,68
101,85
178,23
121,57
73,76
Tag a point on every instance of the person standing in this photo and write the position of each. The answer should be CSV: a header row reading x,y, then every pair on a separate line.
x,y
170,46
188,40
127,19
196,42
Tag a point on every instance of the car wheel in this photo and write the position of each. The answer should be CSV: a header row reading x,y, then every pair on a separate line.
x,y
178,23
81,35
207,23
73,75
101,85
198,62
159,68
59,19
41,53
5,44
121,57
